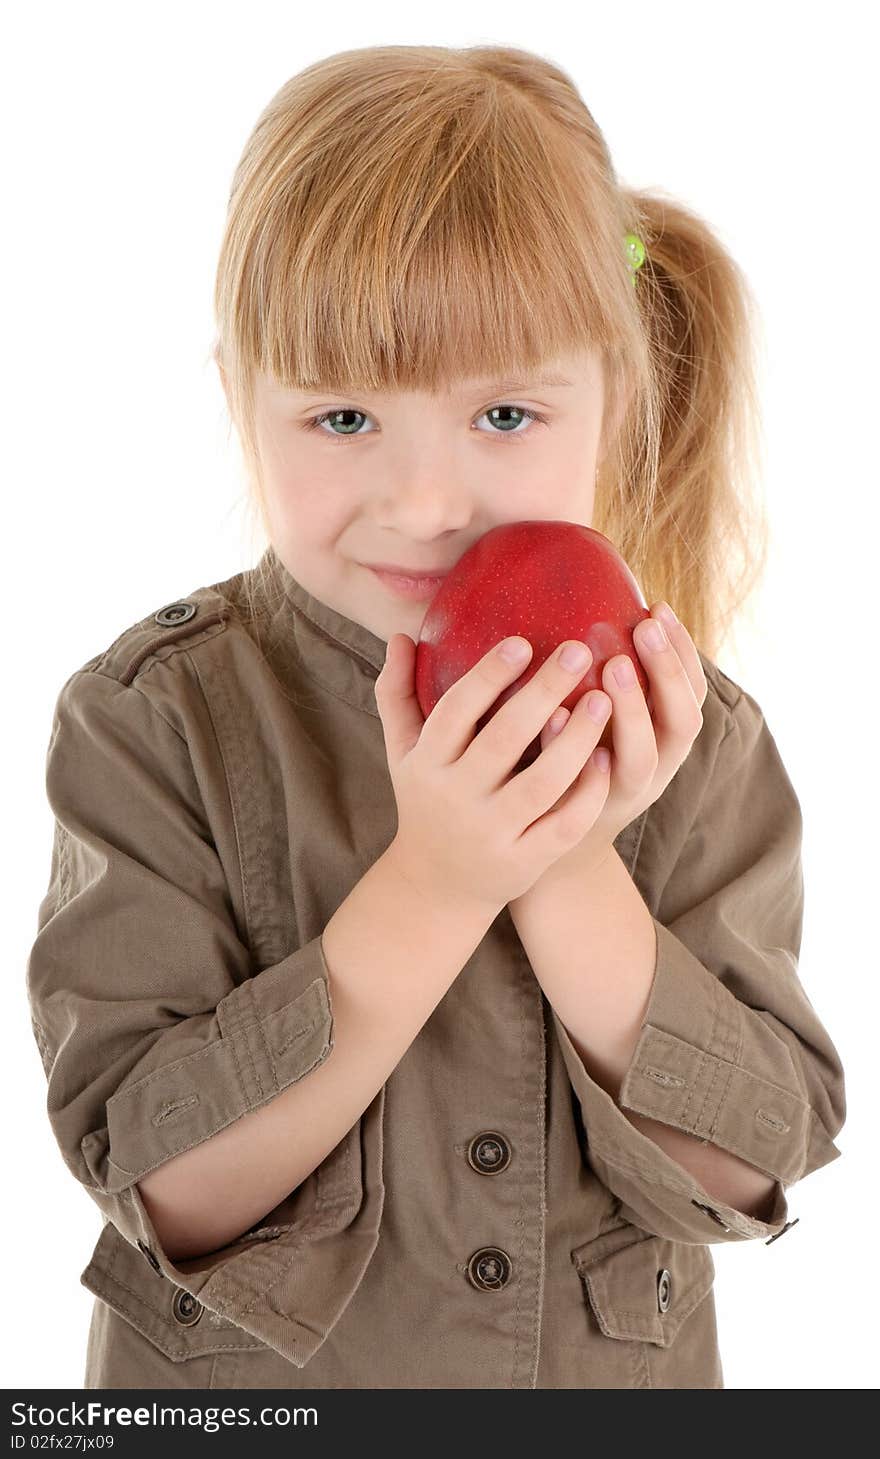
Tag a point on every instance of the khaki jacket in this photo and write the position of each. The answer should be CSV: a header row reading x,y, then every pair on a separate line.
x,y
493,1220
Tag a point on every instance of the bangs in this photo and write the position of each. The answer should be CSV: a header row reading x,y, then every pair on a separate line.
x,y
422,256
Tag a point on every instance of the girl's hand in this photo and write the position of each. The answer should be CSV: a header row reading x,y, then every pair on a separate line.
x,y
470,831
643,764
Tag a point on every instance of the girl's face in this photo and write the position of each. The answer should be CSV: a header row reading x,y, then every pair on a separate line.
x,y
414,479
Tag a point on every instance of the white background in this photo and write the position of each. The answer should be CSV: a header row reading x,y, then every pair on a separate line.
x,y
122,492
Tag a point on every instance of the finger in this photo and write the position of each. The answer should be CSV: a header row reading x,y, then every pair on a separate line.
x,y
449,728
541,787
554,726
523,715
575,812
577,808
396,698
632,728
685,648
676,712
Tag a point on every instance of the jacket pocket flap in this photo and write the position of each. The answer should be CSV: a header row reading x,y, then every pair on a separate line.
x,y
172,1319
643,1287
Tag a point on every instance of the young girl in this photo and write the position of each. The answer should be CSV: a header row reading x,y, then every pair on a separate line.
x,y
387,1067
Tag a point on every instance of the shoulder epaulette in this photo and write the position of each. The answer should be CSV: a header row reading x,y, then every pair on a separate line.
x,y
186,622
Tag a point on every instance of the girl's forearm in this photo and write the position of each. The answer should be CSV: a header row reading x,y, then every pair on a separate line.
x,y
391,956
593,948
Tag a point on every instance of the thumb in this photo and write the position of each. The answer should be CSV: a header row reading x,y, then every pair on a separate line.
x,y
396,698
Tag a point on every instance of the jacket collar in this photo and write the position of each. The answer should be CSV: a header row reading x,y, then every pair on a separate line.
x,y
348,636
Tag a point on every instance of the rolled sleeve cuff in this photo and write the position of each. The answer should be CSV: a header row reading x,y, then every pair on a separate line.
x,y
709,1065
274,1028
655,1192
287,1280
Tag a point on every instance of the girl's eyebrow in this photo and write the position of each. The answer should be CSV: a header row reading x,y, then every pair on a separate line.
x,y
496,385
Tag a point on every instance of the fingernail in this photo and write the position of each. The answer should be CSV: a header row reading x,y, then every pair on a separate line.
x,y
654,636
514,650
574,656
625,674
665,612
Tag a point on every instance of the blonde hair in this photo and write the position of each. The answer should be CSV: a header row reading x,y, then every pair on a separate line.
x,y
403,217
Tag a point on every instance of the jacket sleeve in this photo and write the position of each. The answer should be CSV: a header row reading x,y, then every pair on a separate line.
x,y
154,1028
731,1050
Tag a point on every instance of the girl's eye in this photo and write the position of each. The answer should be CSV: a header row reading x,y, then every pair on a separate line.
x,y
316,422
521,410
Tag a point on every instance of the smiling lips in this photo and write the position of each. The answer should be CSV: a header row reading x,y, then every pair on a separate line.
x,y
409,572
407,584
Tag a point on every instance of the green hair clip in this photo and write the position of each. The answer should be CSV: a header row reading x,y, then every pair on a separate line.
x,y
635,253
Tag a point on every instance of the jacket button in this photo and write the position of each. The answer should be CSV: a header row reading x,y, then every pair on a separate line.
x,y
488,1153
489,1269
150,1258
185,1307
174,613
664,1290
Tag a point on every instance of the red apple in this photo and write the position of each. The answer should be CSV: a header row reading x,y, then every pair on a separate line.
x,y
546,580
